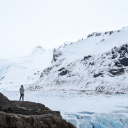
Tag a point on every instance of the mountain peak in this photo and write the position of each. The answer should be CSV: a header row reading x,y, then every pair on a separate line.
x,y
38,50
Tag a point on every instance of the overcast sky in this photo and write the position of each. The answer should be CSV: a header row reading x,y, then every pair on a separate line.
x,y
25,24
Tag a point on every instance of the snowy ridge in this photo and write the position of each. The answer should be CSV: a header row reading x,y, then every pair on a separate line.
x,y
38,50
97,64
25,70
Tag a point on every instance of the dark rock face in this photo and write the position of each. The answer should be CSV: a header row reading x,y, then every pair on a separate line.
x,y
99,74
114,56
110,32
64,72
118,64
61,69
90,35
87,57
17,114
119,56
117,71
56,54
124,61
98,34
3,98
41,75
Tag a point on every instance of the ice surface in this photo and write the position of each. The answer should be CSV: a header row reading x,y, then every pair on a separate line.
x,y
84,111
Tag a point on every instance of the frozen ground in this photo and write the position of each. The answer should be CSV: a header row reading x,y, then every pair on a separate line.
x,y
84,111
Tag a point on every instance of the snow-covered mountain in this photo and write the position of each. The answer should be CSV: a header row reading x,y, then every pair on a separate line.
x,y
97,64
25,70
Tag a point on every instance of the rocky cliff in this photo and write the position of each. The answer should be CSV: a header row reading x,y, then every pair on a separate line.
x,y
18,114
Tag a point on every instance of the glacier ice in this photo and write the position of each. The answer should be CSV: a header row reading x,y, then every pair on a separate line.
x,y
86,120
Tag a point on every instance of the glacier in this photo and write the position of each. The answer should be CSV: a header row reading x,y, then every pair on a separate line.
x,y
84,111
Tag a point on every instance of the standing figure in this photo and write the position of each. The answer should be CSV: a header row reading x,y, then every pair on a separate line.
x,y
21,93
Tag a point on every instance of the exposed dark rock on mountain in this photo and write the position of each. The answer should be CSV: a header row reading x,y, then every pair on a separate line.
x,y
98,34
56,54
61,69
64,72
17,114
124,61
99,74
117,71
87,57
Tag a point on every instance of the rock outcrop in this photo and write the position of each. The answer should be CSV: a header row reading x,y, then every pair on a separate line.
x,y
18,114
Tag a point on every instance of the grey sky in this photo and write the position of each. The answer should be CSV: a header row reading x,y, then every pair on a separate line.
x,y
27,23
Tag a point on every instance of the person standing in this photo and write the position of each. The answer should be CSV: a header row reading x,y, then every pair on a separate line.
x,y
21,93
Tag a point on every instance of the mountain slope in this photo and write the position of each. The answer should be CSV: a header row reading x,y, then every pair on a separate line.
x,y
97,64
25,70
